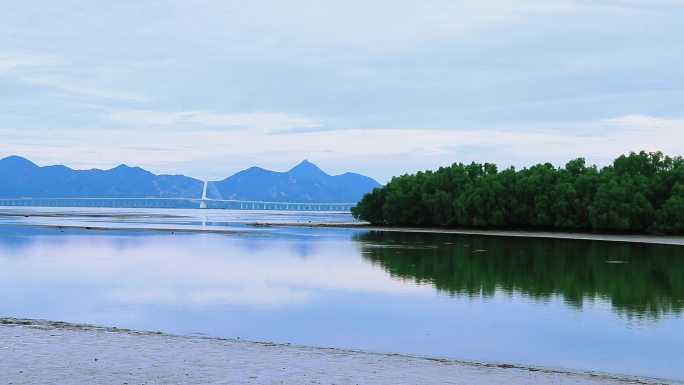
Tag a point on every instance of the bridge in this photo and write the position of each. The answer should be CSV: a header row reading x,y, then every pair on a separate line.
x,y
174,203
203,203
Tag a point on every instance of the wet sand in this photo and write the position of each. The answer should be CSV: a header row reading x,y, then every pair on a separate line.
x,y
44,352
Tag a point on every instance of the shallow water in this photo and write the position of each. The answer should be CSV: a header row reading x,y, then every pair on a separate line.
x,y
611,307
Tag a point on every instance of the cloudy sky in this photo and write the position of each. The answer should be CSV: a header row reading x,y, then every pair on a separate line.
x,y
381,87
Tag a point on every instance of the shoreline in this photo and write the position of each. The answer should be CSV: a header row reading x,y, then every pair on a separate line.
x,y
632,238
89,354
345,225
648,239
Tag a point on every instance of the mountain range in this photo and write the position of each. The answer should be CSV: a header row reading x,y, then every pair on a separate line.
x,y
304,182
19,178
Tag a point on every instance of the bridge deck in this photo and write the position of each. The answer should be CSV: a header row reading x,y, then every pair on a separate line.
x,y
176,203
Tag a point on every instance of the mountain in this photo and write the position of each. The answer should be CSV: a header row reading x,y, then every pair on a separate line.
x,y
20,177
303,183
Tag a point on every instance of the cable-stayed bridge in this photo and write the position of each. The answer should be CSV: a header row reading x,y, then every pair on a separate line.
x,y
175,203
203,202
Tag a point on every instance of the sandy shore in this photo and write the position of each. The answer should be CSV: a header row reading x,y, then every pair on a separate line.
x,y
43,352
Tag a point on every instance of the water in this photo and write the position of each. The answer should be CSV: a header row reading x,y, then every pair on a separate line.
x,y
610,307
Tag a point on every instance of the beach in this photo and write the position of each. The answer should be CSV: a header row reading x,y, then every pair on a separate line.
x,y
44,352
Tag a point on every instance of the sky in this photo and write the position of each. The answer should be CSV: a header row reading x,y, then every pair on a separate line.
x,y
384,87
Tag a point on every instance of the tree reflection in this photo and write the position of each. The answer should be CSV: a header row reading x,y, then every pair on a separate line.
x,y
640,280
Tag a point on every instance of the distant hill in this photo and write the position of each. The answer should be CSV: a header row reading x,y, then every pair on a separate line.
x,y
19,177
303,183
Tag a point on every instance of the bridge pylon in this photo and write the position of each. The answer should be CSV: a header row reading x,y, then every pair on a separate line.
x,y
203,201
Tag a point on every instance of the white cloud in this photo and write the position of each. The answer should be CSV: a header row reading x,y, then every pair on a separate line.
x,y
58,72
84,88
663,125
260,121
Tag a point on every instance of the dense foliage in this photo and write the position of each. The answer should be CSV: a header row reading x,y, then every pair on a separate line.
x,y
639,280
639,192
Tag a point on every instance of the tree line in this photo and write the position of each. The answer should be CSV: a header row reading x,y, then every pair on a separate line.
x,y
640,192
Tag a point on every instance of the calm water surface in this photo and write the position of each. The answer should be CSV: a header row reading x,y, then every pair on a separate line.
x,y
611,307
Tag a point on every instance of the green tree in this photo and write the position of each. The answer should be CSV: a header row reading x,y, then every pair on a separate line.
x,y
670,218
638,192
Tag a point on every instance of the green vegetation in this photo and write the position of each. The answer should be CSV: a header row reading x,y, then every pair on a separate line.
x,y
639,280
641,192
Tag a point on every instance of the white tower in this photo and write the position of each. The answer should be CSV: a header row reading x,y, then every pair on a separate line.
x,y
203,201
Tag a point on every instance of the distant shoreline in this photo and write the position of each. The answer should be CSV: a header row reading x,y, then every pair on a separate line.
x,y
633,238
650,239
49,352
357,225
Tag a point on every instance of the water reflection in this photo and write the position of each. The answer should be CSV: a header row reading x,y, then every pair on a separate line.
x,y
639,280
330,287
265,269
